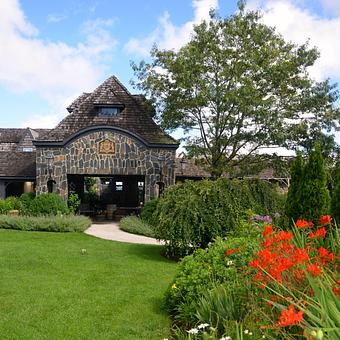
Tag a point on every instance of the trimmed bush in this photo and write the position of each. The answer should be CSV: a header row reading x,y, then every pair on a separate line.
x,y
314,194
191,215
203,270
147,214
44,223
47,204
135,225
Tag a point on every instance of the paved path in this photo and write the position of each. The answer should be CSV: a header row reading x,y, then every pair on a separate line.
x,y
111,231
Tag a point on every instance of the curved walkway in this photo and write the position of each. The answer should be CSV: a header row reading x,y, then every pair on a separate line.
x,y
111,231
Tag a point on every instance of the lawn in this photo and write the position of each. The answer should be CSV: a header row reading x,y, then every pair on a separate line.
x,y
49,289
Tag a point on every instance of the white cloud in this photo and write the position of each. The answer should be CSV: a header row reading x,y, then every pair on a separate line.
x,y
53,70
169,36
298,24
47,121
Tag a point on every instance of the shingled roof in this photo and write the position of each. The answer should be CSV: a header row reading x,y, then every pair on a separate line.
x,y
17,164
133,118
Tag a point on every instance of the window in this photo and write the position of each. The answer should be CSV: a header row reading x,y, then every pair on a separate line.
x,y
109,111
119,186
27,149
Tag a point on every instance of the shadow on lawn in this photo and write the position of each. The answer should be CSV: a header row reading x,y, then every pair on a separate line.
x,y
148,252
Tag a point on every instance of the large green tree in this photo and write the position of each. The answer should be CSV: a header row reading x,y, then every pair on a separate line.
x,y
242,87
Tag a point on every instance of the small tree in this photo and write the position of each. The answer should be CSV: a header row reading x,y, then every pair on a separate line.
x,y
293,207
314,197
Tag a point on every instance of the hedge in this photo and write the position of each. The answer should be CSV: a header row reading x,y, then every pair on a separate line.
x,y
67,223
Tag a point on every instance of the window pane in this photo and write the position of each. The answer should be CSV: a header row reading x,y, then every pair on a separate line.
x,y
109,111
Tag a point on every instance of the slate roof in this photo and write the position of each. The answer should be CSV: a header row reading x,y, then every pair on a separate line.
x,y
133,118
189,169
14,135
17,164
11,135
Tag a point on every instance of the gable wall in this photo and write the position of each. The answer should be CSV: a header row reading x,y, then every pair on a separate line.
x,y
81,156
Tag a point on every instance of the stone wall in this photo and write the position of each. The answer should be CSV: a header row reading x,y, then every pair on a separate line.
x,y
83,156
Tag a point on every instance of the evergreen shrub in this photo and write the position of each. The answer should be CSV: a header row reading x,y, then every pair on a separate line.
x,y
314,196
191,215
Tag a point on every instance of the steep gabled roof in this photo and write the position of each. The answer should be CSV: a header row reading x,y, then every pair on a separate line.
x,y
133,118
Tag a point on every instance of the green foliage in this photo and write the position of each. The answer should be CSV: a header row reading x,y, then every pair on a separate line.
x,y
47,204
68,223
147,214
26,200
235,73
135,225
224,303
191,215
10,203
336,197
314,194
73,202
204,269
293,207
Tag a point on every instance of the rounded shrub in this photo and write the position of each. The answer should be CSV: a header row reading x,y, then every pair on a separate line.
x,y
48,204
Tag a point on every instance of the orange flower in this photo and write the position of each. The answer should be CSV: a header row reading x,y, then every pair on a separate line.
x,y
313,269
289,317
231,251
325,219
321,232
336,291
268,230
303,223
228,252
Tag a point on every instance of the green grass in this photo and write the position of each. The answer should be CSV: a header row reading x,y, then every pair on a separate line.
x,y
50,290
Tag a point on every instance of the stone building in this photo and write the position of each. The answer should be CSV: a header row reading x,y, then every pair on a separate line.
x,y
109,135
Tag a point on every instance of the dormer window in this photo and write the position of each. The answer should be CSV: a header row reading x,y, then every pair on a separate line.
x,y
27,149
109,111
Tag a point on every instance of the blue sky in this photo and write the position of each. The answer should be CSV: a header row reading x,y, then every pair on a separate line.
x,y
52,51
